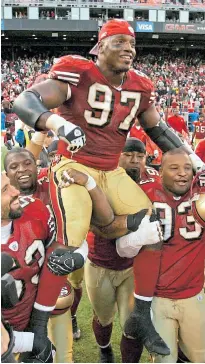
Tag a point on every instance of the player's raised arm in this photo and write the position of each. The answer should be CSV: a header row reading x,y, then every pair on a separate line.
x,y
32,106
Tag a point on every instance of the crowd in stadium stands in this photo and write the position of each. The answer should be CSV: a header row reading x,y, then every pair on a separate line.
x,y
174,78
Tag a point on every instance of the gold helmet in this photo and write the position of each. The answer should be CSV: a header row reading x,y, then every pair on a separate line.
x,y
198,198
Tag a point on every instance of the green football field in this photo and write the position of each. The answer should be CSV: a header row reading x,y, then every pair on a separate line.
x,y
85,349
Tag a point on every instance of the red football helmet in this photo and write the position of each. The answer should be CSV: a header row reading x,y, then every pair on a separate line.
x,y
198,198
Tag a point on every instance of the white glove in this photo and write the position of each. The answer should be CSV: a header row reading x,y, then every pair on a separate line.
x,y
128,246
71,134
198,164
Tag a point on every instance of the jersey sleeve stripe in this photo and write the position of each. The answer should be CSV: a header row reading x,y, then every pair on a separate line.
x,y
69,74
70,80
43,308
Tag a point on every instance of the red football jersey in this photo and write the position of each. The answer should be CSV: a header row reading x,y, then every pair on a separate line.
x,y
138,132
200,130
104,112
102,252
150,174
182,263
200,150
177,123
31,234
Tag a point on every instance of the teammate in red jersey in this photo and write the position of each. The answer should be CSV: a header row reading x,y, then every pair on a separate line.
x,y
100,100
178,305
133,160
21,169
27,231
199,130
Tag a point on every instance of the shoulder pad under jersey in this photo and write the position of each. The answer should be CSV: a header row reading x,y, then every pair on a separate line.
x,y
70,68
142,79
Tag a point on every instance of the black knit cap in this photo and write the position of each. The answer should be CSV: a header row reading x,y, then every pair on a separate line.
x,y
134,145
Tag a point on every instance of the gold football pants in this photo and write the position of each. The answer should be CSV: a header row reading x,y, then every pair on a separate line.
x,y
109,291
73,206
181,322
60,332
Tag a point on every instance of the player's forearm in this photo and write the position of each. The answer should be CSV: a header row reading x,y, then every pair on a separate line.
x,y
102,212
36,144
115,230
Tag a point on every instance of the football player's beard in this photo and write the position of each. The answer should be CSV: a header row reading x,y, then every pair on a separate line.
x,y
11,214
15,214
134,173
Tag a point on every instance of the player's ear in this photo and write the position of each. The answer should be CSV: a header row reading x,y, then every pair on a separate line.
x,y
101,47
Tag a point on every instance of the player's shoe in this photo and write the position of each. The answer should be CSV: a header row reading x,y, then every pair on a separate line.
x,y
106,355
139,326
76,330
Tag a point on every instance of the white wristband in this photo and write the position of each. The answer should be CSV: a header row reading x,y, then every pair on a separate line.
x,y
38,138
90,184
23,341
55,121
83,250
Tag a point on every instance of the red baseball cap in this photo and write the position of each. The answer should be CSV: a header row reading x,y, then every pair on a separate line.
x,y
113,27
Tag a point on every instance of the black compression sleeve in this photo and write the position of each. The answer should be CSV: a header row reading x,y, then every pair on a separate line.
x,y
29,107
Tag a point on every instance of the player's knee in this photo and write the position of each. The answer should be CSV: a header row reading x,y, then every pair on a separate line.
x,y
103,320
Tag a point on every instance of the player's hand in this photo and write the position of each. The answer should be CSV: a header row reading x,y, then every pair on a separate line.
x,y
62,262
75,138
43,351
72,176
150,231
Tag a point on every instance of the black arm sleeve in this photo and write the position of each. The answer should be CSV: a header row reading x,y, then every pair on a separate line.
x,y
29,107
164,137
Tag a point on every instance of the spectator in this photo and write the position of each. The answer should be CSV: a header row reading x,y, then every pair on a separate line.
x,y
44,158
9,140
177,122
3,120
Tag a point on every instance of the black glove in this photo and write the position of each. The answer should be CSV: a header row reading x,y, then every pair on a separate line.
x,y
134,220
62,262
43,351
75,138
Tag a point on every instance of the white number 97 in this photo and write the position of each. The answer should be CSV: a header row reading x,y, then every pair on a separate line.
x,y
105,108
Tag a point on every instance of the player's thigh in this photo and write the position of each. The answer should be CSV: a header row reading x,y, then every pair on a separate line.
x,y
76,278
192,328
72,208
124,295
124,195
101,292
167,327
